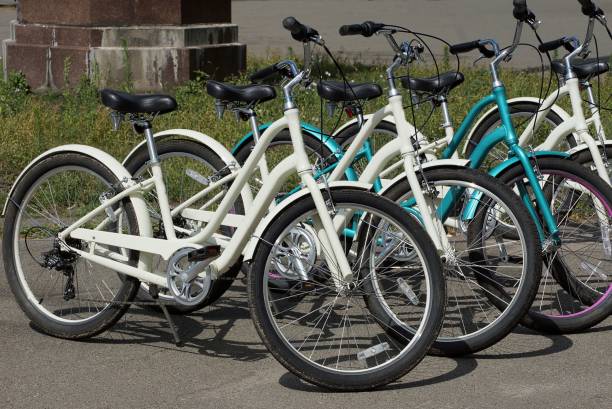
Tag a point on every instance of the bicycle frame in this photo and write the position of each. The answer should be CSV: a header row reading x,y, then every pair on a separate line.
x,y
298,162
577,124
377,166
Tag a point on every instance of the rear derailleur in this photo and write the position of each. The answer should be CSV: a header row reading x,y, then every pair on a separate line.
x,y
63,260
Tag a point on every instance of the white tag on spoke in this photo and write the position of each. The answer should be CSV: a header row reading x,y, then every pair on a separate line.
x,y
197,177
407,290
593,269
605,239
372,351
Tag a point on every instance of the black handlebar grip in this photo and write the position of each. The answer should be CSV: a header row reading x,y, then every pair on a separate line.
x,y
264,73
464,47
350,30
366,29
299,31
520,12
369,28
553,45
590,9
485,51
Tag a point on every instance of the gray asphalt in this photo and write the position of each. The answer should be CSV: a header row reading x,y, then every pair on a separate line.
x,y
224,365
454,20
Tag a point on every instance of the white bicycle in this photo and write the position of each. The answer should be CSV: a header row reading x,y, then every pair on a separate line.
x,y
79,239
545,119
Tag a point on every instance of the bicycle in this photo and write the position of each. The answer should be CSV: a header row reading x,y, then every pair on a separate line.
x,y
569,131
581,279
78,239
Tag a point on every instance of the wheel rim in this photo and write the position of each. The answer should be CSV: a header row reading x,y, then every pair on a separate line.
x,y
475,302
93,291
322,305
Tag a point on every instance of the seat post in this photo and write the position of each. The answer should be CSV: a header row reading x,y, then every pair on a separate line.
x,y
264,170
148,133
447,125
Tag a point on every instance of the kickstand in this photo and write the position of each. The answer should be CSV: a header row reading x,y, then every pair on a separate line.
x,y
154,291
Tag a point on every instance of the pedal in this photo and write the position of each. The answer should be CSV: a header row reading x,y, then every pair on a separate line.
x,y
203,254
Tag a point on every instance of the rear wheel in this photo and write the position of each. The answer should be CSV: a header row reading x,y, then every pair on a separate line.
x,y
62,293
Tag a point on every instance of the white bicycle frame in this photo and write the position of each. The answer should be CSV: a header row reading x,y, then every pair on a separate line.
x,y
402,146
575,124
232,248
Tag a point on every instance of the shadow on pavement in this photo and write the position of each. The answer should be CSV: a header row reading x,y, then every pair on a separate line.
x,y
525,347
463,367
203,333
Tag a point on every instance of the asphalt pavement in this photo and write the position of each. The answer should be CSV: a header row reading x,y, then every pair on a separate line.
x,y
224,365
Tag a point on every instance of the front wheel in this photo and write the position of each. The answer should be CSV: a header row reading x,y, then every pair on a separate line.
x,y
491,280
576,288
320,327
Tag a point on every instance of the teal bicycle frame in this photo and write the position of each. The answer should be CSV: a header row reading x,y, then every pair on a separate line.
x,y
505,133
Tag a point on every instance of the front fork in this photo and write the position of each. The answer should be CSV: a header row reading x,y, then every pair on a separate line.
x,y
543,205
328,236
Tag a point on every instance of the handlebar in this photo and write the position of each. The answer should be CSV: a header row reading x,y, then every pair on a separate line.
x,y
366,29
299,31
590,9
264,74
569,43
472,45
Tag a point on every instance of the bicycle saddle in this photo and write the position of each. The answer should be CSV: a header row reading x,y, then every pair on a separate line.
x,y
240,93
434,85
137,104
337,91
585,69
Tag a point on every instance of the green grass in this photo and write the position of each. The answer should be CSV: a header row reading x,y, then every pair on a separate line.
x,y
33,123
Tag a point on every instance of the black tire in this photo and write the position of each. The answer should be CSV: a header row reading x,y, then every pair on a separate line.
x,y
482,338
137,162
585,159
517,107
588,312
111,313
298,365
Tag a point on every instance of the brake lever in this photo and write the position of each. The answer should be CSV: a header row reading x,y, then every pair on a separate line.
x,y
391,40
482,57
534,23
604,22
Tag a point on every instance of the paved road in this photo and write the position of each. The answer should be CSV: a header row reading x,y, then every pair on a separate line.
x,y
224,365
453,20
